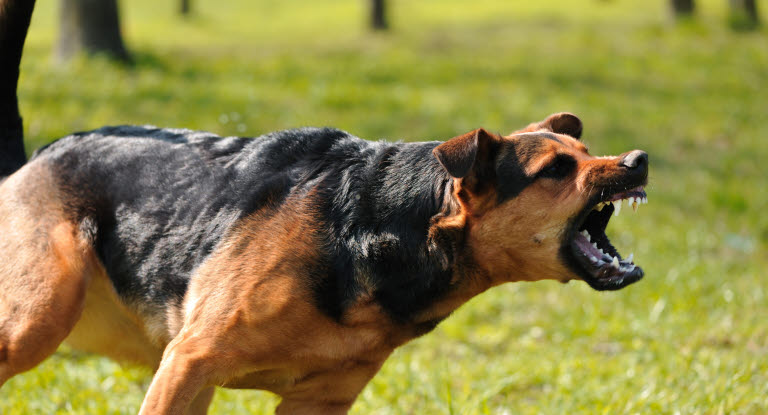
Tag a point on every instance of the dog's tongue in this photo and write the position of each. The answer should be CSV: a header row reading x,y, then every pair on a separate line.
x,y
586,247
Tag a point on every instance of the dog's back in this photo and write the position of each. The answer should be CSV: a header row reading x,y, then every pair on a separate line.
x,y
160,200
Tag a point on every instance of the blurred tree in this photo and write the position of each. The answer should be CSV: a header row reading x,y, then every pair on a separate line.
x,y
90,26
15,16
379,15
682,8
185,8
744,13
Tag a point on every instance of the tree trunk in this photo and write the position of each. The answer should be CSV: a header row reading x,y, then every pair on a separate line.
x,y
379,15
682,8
90,26
15,16
745,12
185,8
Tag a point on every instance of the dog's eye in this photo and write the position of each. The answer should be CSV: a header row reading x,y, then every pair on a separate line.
x,y
559,168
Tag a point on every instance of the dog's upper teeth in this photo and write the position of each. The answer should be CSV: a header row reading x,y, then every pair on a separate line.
x,y
633,203
630,257
585,233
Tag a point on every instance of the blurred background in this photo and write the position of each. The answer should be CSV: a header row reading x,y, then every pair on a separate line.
x,y
684,80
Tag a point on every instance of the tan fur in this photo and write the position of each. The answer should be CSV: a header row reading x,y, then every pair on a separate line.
x,y
250,322
516,241
107,327
45,267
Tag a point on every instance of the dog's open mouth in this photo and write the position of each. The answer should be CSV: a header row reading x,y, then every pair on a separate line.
x,y
603,268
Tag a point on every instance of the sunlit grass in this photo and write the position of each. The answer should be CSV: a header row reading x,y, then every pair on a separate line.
x,y
689,338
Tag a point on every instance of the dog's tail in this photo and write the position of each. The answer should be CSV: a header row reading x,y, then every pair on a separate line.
x,y
15,16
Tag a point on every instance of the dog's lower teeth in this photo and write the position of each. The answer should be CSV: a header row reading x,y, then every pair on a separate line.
x,y
628,267
615,262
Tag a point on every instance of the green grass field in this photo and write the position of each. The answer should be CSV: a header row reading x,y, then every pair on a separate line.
x,y
690,338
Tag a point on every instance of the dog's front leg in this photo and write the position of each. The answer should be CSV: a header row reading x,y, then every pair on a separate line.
x,y
184,373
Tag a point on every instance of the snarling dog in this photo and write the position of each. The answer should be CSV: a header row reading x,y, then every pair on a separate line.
x,y
294,262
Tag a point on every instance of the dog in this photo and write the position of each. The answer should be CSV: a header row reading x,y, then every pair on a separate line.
x,y
294,262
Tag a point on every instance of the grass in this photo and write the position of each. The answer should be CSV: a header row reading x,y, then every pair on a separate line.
x,y
691,338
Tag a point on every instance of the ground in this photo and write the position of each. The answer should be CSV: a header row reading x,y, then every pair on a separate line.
x,y
690,338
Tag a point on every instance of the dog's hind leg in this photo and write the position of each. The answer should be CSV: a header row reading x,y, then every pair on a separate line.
x,y
45,266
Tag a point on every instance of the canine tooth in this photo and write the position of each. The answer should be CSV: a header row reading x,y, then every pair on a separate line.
x,y
615,262
629,258
617,207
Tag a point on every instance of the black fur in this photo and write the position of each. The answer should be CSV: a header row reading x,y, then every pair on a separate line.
x,y
379,207
161,200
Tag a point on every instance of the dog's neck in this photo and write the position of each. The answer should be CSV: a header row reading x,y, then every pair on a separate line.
x,y
405,239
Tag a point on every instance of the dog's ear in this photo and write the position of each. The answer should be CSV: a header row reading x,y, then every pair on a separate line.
x,y
460,154
560,123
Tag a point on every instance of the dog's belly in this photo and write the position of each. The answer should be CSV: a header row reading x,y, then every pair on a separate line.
x,y
107,327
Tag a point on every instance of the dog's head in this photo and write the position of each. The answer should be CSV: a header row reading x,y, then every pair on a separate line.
x,y
536,204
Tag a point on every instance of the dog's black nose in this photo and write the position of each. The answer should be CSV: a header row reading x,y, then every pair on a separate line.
x,y
636,159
